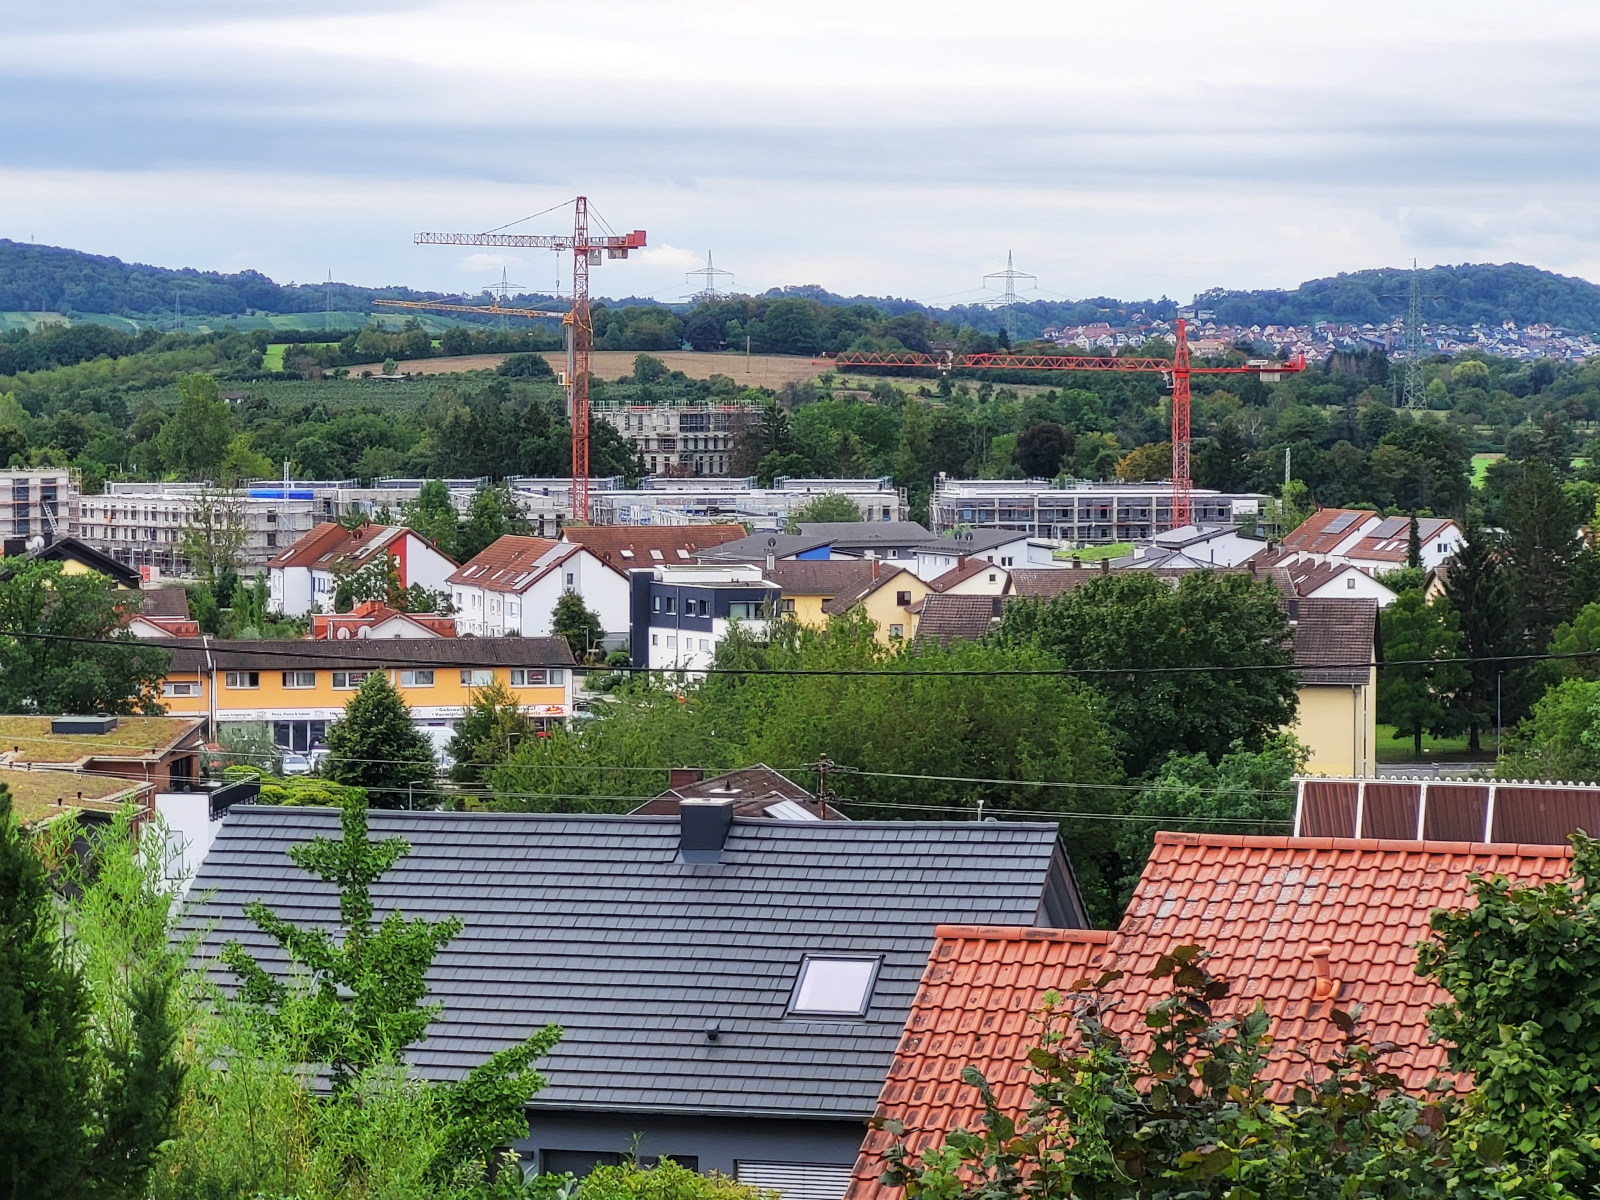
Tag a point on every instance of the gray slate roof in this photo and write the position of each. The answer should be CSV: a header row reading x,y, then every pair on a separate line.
x,y
757,546
868,535
591,923
197,654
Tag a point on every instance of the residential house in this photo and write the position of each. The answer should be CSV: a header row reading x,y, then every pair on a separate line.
x,y
1329,531
679,614
375,619
40,796
1336,644
303,578
1306,927
895,541
297,689
730,990
756,791
513,586
809,586
1303,579
80,558
1000,547
163,612
768,548
886,596
1195,547
163,752
973,577
945,617
1387,545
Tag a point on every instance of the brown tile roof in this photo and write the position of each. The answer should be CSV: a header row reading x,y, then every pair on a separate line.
x,y
627,546
1324,529
1390,541
509,564
1047,582
164,602
1260,906
845,601
1335,634
943,618
964,572
327,543
753,790
820,577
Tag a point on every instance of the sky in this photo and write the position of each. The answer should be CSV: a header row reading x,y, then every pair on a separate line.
x,y
879,147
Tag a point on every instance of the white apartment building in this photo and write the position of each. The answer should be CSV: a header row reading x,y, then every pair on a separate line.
x,y
303,579
1081,513
38,503
696,501
680,439
511,589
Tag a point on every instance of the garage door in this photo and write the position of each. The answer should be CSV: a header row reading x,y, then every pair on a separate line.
x,y
797,1181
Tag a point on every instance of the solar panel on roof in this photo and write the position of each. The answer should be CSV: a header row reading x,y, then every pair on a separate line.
x,y
1390,527
1342,522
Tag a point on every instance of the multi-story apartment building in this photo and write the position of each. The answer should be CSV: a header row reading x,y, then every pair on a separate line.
x,y
1081,513
298,689
37,503
142,524
680,439
680,614
694,501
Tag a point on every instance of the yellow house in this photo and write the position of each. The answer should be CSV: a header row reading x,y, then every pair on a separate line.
x,y
79,558
814,590
1336,643
300,688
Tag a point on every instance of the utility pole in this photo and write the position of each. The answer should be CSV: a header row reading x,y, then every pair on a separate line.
x,y
825,797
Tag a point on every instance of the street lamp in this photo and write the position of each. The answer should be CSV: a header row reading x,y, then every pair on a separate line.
x,y
410,783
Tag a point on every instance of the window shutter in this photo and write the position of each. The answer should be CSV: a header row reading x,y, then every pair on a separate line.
x,y
797,1181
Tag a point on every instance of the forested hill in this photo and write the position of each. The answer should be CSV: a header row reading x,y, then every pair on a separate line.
x,y
52,279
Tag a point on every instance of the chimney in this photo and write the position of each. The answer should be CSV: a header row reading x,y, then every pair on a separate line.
x,y
961,562
875,569
1105,566
702,829
1077,563
684,776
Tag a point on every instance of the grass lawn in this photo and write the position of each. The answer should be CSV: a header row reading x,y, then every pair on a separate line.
x,y
1096,553
1480,467
272,357
1448,749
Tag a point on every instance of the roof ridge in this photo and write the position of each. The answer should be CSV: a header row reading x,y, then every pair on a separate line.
x,y
1409,846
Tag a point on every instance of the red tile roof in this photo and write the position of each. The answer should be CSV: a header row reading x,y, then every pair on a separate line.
x,y
1261,906
964,572
1390,540
328,542
627,546
509,564
1314,536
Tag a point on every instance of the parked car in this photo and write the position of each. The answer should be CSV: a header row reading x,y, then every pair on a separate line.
x,y
296,764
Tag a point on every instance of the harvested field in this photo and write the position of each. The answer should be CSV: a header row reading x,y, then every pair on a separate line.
x,y
761,370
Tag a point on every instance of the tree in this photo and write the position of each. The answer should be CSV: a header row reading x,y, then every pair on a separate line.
x,y
1414,544
1042,448
195,439
579,624
89,1075
375,746
361,1002
830,506
490,728
433,515
525,366
1133,619
1522,968
1415,699
214,541
1559,738
1479,592
492,514
1150,461
1541,542
96,666
1579,636
241,463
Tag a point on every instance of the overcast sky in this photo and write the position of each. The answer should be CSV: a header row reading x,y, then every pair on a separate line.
x,y
894,147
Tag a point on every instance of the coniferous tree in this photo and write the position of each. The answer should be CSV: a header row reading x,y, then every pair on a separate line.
x,y
375,746
44,1021
1414,544
1541,544
1479,590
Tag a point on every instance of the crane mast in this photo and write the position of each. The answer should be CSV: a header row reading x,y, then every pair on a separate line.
x,y
586,252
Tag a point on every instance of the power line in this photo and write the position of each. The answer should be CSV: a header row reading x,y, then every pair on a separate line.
x,y
870,673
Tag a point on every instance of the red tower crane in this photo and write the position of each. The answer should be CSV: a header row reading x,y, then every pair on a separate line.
x,y
586,253
1177,371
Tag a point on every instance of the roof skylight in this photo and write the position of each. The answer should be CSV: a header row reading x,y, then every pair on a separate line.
x,y
834,987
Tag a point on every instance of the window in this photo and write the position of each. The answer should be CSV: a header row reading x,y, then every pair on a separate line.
x,y
745,610
672,604
477,677
1351,583
796,1181
299,679
788,606
672,642
180,689
903,599
417,678
345,681
527,677
991,576
897,631
242,679
655,639
837,987
272,539
655,603
569,578
705,645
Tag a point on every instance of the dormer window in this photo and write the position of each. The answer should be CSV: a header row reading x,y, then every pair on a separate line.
x,y
834,986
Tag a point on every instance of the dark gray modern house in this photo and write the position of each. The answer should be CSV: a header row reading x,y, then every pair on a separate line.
x,y
732,990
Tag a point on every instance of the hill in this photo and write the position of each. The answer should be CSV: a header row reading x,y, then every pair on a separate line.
x,y
52,279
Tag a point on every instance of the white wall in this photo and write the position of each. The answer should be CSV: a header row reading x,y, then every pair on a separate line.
x,y
425,565
1355,585
190,831
289,590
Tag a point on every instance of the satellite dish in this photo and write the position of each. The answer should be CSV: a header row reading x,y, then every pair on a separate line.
x,y
363,632
35,544
344,633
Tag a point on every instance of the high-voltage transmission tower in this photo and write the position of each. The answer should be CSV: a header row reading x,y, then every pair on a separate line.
x,y
1007,302
708,293
1414,392
587,251
502,292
